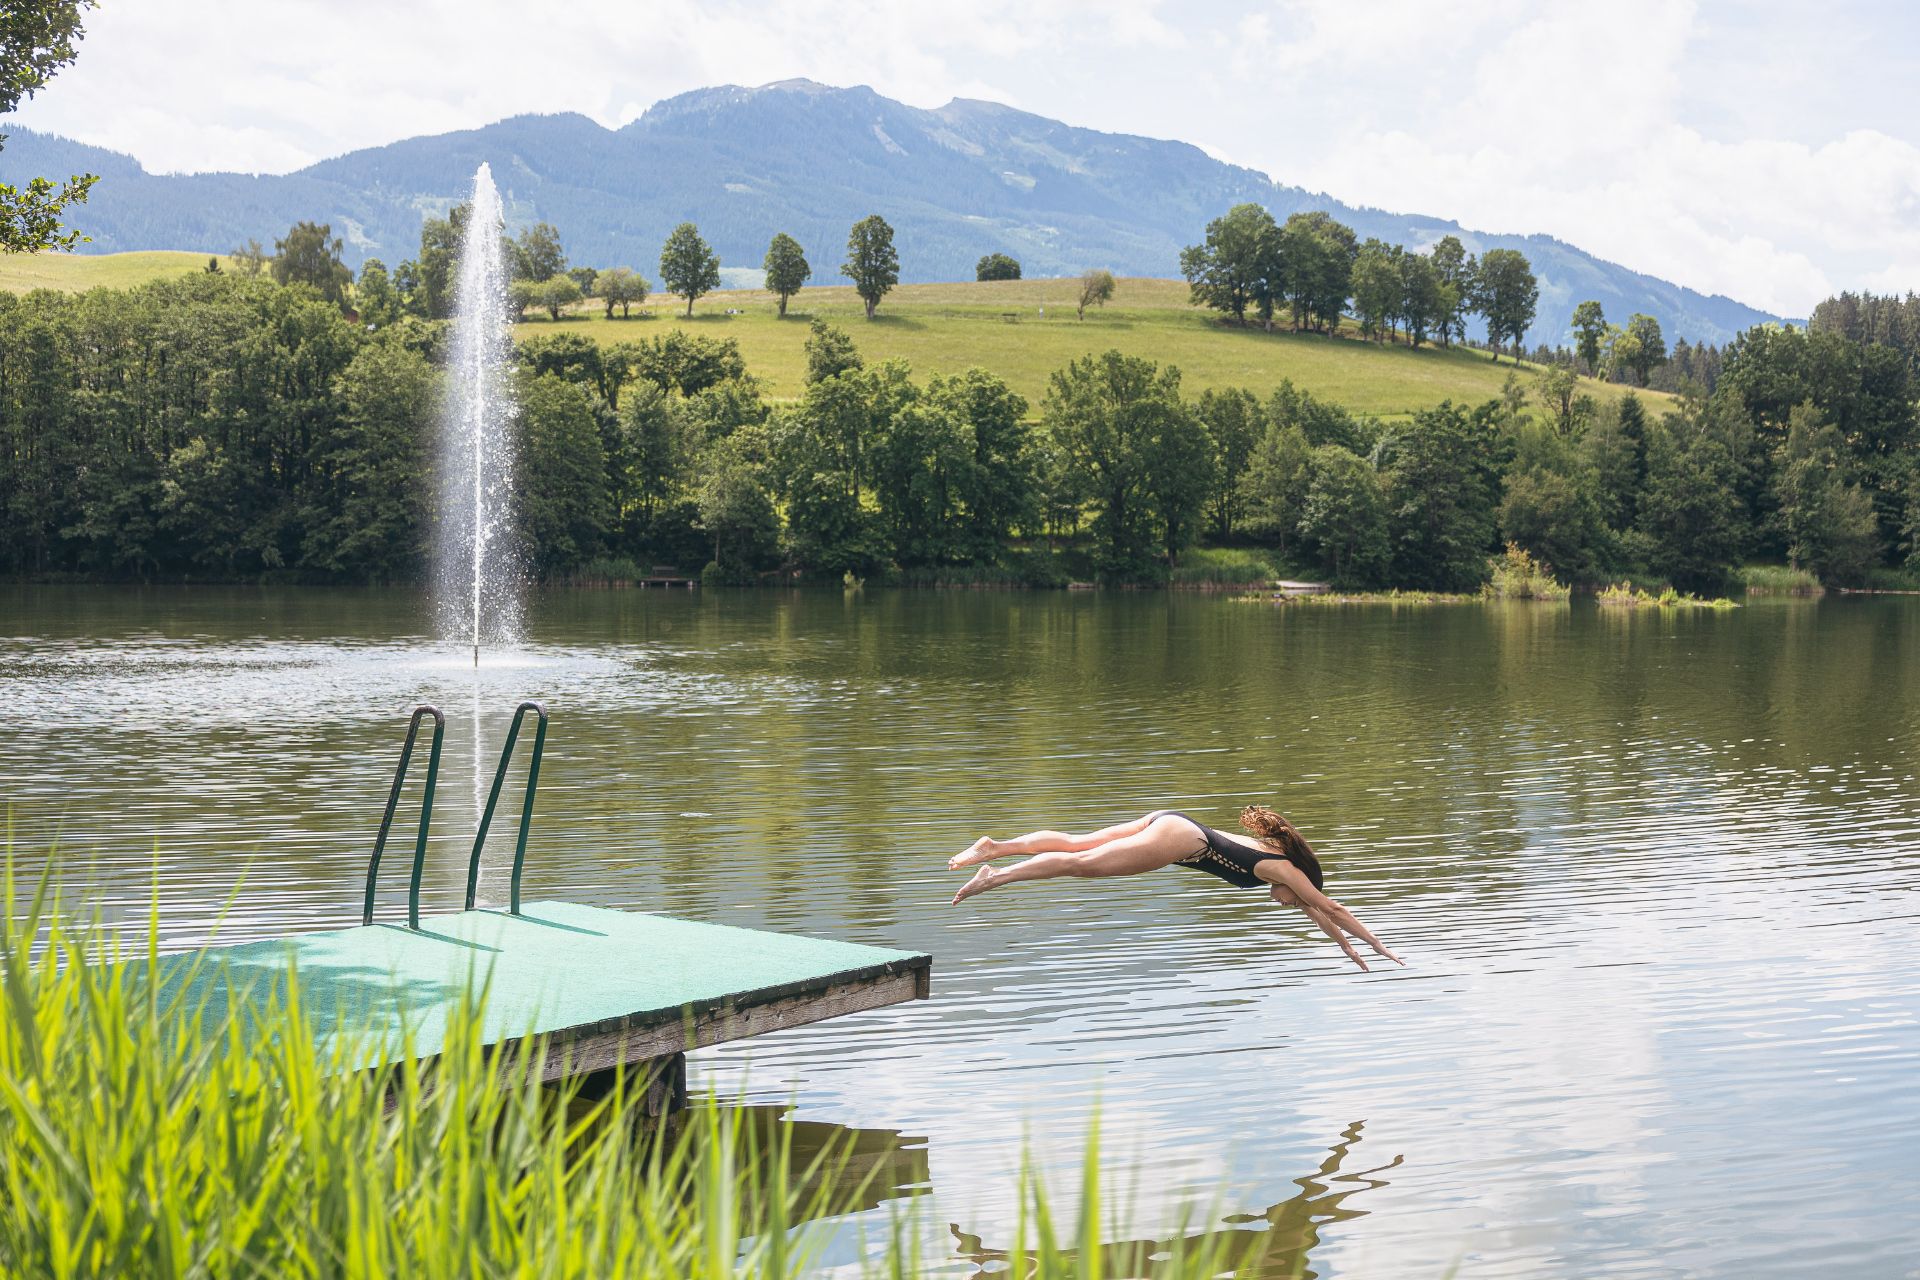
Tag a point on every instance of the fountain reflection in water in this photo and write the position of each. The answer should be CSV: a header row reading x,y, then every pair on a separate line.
x,y
477,573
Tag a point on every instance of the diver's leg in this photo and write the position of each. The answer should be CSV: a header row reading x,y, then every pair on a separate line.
x,y
986,848
1164,840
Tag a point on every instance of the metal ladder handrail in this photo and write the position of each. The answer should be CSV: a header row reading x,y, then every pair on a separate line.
x,y
426,814
526,809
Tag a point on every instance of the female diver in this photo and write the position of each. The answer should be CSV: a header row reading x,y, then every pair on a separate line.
x,y
1278,856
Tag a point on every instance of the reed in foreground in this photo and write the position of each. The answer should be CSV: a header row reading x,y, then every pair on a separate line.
x,y
138,1139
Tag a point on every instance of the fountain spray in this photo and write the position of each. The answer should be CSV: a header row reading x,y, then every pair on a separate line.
x,y
477,572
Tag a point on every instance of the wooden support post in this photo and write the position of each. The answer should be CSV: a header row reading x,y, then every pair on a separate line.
x,y
659,1083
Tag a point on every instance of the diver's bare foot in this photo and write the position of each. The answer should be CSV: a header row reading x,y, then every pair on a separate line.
x,y
985,849
982,879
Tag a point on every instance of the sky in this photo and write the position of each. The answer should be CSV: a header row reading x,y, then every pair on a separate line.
x,y
1766,151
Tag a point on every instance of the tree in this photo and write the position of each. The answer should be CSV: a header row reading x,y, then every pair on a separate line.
x,y
1690,509
996,266
1237,265
621,287
1376,287
1234,424
1421,297
830,351
786,268
250,258
37,39
1558,385
1590,331
310,255
1441,479
439,247
919,464
1506,294
871,263
1455,270
556,294
685,362
1115,419
998,490
733,506
1828,521
537,255
1316,268
1345,516
586,277
1275,486
1649,347
563,491
377,532
688,267
522,295
374,296
1096,290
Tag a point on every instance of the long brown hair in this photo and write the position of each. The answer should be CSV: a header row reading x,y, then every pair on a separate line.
x,y
1264,824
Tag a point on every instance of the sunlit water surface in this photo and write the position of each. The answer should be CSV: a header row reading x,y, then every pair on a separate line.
x,y
1653,874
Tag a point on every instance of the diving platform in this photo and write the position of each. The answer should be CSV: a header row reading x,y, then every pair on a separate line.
x,y
598,988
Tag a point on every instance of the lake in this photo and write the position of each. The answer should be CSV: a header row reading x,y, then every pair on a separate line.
x,y
1653,874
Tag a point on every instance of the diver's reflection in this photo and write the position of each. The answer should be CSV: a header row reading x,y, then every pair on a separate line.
x,y
1279,1249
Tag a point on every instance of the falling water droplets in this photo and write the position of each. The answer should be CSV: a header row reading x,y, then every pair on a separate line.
x,y
477,570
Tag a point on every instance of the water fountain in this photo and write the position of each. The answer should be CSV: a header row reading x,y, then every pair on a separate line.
x,y
477,571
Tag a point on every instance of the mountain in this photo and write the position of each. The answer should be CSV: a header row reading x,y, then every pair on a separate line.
x,y
966,179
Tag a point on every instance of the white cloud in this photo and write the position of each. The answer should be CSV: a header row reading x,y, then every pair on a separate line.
x,y
1650,133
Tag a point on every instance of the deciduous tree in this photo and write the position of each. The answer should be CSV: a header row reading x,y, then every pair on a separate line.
x,y
871,263
310,255
37,39
996,266
689,268
1096,290
1238,264
1505,295
786,269
620,287
1590,332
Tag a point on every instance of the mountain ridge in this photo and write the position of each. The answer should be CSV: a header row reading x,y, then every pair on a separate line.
x,y
956,181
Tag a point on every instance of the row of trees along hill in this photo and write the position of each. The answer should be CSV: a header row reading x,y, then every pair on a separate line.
x,y
423,286
226,426
1313,268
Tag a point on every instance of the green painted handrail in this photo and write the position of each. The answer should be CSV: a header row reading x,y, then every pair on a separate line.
x,y
426,813
526,809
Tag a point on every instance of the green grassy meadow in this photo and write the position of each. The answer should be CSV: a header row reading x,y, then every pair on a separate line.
x,y
72,272
1025,329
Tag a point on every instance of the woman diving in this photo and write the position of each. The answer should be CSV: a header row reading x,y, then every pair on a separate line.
x,y
1277,856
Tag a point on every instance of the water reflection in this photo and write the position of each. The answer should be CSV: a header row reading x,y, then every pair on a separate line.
x,y
1275,1244
1653,873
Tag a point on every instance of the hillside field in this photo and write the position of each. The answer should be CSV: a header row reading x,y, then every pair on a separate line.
x,y
1025,329
24,272
1020,329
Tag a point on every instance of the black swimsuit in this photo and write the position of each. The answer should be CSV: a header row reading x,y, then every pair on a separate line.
x,y
1220,854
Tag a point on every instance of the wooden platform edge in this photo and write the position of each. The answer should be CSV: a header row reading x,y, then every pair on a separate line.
x,y
598,1047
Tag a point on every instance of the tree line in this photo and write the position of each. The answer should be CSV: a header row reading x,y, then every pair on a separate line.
x,y
225,426
540,277
1315,269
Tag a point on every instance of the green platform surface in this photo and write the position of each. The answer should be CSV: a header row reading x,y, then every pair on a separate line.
x,y
556,967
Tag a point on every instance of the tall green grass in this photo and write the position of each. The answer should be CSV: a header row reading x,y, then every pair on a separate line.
x,y
1777,580
139,1139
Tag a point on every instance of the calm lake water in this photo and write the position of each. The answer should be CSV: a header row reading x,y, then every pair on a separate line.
x,y
1654,876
